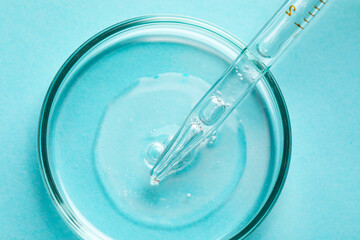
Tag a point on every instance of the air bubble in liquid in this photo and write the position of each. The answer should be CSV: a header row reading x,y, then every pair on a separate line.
x,y
153,153
152,131
211,139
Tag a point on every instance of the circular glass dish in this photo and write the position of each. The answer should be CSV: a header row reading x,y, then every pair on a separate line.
x,y
122,91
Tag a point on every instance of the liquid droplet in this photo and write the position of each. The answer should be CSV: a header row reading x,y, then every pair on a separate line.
x,y
154,182
153,153
188,195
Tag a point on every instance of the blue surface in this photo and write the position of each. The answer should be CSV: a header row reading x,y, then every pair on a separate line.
x,y
319,77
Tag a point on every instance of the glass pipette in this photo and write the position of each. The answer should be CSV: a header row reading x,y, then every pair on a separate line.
x,y
237,81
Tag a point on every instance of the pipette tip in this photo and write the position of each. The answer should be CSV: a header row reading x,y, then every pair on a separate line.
x,y
154,181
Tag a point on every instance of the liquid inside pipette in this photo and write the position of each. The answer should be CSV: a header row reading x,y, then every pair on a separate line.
x,y
237,81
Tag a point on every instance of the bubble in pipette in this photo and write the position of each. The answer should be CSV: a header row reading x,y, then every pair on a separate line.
x,y
238,73
188,195
212,110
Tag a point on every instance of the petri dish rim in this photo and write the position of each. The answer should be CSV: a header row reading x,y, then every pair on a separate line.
x,y
68,215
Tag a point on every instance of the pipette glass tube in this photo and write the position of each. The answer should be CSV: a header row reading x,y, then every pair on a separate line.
x,y
237,81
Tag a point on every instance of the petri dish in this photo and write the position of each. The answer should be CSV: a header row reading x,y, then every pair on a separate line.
x,y
115,104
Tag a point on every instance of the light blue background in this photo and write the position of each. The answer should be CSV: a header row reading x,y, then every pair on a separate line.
x,y
319,78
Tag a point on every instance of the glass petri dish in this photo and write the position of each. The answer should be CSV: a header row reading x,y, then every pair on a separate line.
x,y
116,103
